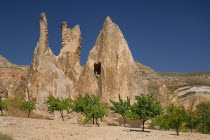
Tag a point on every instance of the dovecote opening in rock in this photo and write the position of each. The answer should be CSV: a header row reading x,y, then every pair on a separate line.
x,y
97,68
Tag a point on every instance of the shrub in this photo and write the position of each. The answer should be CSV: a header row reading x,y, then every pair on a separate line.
x,y
121,107
203,113
191,120
28,105
56,104
90,107
144,109
3,106
14,103
159,121
176,116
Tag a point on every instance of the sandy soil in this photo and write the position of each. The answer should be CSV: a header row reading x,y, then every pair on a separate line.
x,y
37,129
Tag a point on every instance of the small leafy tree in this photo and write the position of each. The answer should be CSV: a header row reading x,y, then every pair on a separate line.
x,y
56,104
144,109
90,106
98,111
176,116
191,120
121,107
203,113
28,105
3,106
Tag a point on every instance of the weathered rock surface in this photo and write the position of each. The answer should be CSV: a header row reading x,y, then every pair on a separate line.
x,y
110,69
49,74
69,57
10,76
188,89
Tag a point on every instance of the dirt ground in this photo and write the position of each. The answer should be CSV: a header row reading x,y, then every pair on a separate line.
x,y
38,129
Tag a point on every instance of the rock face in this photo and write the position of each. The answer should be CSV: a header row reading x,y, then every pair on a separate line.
x,y
110,69
10,72
69,57
10,76
49,74
188,89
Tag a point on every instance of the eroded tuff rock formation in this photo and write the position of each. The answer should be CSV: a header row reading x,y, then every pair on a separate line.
x,y
49,74
109,71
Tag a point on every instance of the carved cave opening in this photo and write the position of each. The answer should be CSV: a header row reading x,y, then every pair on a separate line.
x,y
97,68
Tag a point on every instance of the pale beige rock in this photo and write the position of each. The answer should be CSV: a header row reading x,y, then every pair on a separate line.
x,y
69,57
110,69
48,74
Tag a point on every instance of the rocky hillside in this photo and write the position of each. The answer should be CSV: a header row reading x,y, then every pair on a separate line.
x,y
10,76
188,89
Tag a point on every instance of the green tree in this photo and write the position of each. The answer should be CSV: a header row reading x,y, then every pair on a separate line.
x,y
56,104
144,109
3,106
28,105
203,113
176,116
160,121
191,120
90,107
121,107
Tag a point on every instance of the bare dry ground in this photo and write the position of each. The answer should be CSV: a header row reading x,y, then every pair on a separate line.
x,y
38,129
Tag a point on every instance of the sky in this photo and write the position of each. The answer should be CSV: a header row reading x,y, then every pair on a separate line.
x,y
166,35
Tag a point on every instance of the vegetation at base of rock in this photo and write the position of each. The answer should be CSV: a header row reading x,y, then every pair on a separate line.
x,y
145,108
160,122
56,104
203,117
3,106
29,106
91,107
14,103
5,137
176,116
191,120
121,107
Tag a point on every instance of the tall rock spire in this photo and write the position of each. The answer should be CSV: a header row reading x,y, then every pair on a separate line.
x,y
43,38
69,57
44,76
110,69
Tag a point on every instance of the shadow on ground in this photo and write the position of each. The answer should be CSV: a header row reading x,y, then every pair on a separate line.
x,y
136,130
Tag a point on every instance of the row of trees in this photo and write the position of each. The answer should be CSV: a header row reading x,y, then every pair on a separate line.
x,y
145,108
88,105
177,117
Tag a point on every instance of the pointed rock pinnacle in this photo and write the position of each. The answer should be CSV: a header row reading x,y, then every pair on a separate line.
x,y
43,39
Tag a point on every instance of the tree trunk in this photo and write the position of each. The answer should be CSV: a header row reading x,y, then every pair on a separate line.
x,y
143,125
124,121
62,115
93,121
29,112
2,112
97,122
177,132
